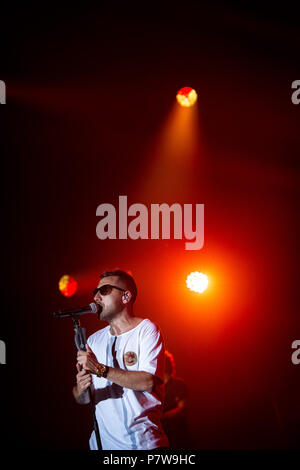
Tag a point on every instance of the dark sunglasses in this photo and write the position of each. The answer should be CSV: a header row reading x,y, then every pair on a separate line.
x,y
106,289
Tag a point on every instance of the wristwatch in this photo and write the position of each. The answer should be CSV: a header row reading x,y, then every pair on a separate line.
x,y
101,370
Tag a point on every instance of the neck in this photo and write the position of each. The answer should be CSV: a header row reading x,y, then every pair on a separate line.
x,y
123,322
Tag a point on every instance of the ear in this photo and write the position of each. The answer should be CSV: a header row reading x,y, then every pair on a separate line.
x,y
126,297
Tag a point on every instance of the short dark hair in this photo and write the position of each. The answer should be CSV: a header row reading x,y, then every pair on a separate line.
x,y
126,277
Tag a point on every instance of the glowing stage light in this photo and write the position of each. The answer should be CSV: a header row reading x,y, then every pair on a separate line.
x,y
197,282
186,96
67,285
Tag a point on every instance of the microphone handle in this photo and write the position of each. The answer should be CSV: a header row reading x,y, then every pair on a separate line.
x,y
80,338
95,422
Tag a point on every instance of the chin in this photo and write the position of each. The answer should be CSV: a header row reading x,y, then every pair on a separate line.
x,y
105,316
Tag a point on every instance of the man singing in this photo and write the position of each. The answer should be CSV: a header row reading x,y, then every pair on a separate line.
x,y
124,364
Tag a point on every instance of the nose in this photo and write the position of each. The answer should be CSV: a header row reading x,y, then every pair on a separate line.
x,y
97,296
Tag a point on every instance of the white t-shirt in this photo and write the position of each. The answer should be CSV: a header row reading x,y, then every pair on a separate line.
x,y
129,419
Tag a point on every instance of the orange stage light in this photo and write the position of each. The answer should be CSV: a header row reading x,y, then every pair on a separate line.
x,y
186,96
174,160
197,282
67,285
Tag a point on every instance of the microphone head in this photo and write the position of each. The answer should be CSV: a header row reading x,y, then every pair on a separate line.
x,y
94,307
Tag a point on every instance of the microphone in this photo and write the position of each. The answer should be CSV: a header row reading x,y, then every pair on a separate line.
x,y
92,308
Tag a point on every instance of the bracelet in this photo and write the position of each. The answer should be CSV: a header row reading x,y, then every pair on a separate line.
x,y
101,370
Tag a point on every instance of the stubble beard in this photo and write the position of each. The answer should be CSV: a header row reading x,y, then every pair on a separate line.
x,y
108,315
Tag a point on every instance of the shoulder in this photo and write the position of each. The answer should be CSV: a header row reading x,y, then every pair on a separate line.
x,y
97,336
150,334
149,327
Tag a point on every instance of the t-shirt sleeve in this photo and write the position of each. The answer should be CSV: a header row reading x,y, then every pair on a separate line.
x,y
152,351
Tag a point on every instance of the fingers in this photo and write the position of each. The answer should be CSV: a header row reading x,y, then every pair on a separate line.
x,y
81,370
83,378
84,382
87,360
82,355
81,358
88,353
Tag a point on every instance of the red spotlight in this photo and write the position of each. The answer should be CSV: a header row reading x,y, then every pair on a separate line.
x,y
186,96
197,282
67,285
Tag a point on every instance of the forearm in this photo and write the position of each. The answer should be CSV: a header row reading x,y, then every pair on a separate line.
x,y
82,398
135,380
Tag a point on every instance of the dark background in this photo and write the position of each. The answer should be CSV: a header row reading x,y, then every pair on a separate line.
x,y
88,91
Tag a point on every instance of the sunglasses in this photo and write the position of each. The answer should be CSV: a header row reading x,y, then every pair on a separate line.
x,y
106,289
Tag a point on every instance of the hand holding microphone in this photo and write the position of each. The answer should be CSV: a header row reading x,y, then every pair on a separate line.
x,y
87,360
83,379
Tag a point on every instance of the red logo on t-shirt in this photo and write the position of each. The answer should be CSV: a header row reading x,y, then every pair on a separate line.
x,y
130,358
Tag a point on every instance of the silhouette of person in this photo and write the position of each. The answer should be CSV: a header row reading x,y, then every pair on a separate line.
x,y
174,417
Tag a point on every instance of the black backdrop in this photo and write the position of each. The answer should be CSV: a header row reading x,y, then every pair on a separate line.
x,y
88,90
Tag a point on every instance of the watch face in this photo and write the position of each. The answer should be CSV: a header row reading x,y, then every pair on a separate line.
x,y
101,370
